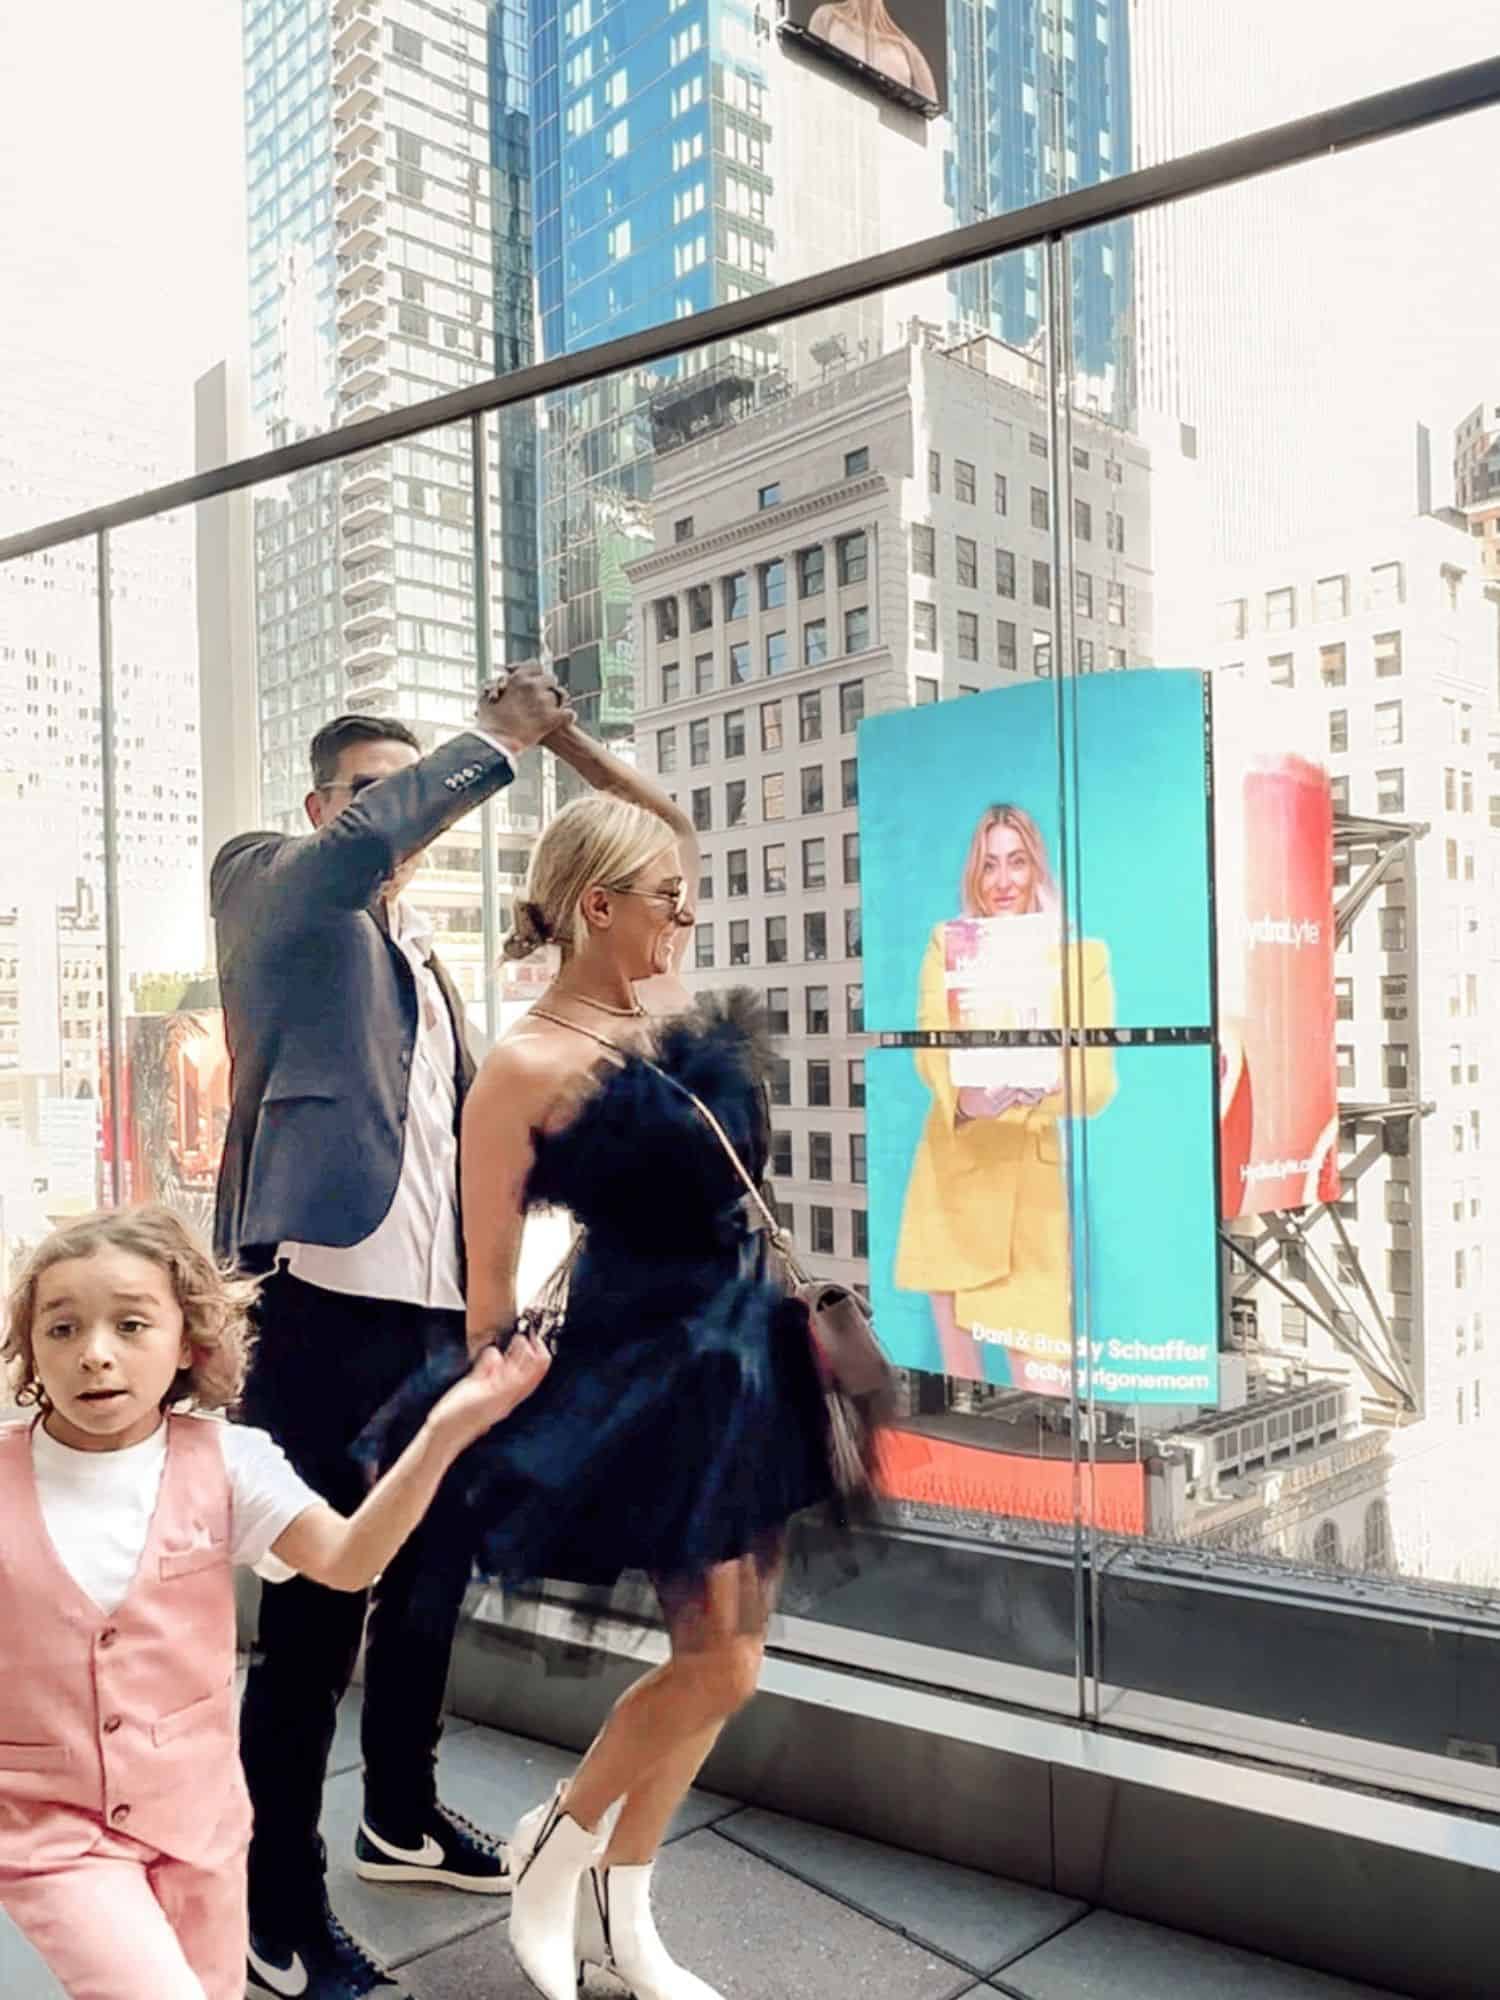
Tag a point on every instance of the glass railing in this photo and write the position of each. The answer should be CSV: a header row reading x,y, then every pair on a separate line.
x,y
1094,744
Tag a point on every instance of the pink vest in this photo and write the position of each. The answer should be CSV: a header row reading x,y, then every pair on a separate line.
x,y
130,1720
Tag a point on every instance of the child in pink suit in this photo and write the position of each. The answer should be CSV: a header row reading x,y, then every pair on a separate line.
x,y
123,1813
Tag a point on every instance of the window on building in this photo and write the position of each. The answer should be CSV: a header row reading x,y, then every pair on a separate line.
x,y
853,557
775,654
1333,665
817,1010
1282,669
854,933
966,562
704,676
1234,618
1041,655
810,717
815,863
968,635
963,481
820,1230
854,1009
736,802
1005,573
736,596
770,725
1041,584
923,550
1390,791
666,751
1114,533
1002,494
773,585
924,626
1114,609
773,796
857,629
770,496
1338,730
700,602
1331,597
1083,593
812,788
734,732
1389,730
851,858
1392,930
856,461
703,947
778,998
1083,521
1397,1072
819,1085
781,1155
1343,999
682,531
776,944
1387,585
1041,508
1394,1005
811,572
925,691
703,809
1343,1057
934,472
737,871
666,617
857,1170
1281,610
1388,661
849,781
851,706
1005,645
739,663
671,683
779,1081
774,864
814,936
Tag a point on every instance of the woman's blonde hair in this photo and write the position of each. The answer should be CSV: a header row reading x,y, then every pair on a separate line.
x,y
596,840
215,1305
1045,899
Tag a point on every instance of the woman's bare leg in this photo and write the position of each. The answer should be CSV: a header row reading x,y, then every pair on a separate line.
x,y
661,1729
961,1356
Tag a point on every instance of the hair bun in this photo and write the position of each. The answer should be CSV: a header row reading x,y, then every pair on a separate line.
x,y
529,931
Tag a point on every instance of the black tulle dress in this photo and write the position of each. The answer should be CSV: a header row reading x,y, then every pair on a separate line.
x,y
682,1423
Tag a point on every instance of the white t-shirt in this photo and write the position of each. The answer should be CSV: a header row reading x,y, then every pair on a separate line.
x,y
98,1505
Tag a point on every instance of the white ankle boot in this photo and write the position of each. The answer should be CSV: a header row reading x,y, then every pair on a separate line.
x,y
617,1932
551,1856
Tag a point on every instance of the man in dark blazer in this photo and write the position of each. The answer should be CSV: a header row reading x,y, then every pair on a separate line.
x,y
339,1182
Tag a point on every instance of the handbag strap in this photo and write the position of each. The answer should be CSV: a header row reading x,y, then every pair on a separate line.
x,y
774,1230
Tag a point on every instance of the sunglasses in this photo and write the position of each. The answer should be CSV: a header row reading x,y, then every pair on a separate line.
x,y
676,895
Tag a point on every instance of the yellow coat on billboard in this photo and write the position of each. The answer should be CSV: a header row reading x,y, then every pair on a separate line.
x,y
985,1225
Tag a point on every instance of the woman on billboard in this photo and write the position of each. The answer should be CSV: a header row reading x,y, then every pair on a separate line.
x,y
985,1227
867,31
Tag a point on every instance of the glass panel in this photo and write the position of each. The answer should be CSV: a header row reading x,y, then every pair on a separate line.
x,y
53,990
1332,588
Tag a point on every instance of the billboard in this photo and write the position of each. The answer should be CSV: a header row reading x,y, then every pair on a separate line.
x,y
899,46
1273,830
1043,1111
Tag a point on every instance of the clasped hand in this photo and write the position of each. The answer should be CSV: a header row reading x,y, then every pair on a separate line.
x,y
495,1385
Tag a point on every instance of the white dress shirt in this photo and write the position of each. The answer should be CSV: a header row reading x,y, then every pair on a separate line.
x,y
412,1257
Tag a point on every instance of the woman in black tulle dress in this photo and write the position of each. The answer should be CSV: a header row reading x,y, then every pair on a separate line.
x,y
682,1424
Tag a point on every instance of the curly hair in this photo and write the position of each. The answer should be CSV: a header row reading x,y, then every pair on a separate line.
x,y
215,1304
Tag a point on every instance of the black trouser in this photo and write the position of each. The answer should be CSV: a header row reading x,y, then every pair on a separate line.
x,y
323,1365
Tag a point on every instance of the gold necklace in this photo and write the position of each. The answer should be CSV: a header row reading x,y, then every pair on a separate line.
x,y
633,1013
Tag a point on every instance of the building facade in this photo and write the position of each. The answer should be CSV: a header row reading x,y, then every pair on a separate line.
x,y
1476,481
1392,637
388,148
883,539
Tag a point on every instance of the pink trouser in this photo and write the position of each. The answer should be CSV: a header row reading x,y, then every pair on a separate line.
x,y
124,1922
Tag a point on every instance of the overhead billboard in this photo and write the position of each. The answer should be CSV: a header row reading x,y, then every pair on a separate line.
x,y
1273,829
900,47
1042,1113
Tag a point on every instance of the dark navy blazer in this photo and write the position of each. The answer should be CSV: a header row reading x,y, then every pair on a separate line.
x,y
320,1010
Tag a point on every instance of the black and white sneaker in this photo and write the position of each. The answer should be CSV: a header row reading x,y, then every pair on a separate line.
x,y
318,1961
444,1848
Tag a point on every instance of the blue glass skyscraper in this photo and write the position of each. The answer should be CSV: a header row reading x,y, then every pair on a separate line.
x,y
1040,105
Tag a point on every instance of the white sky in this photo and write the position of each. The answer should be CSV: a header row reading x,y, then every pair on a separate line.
x,y
121,200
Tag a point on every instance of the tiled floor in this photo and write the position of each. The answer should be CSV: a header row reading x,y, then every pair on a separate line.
x,y
766,1908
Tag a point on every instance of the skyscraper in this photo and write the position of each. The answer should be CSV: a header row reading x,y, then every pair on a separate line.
x,y
1041,104
388,170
